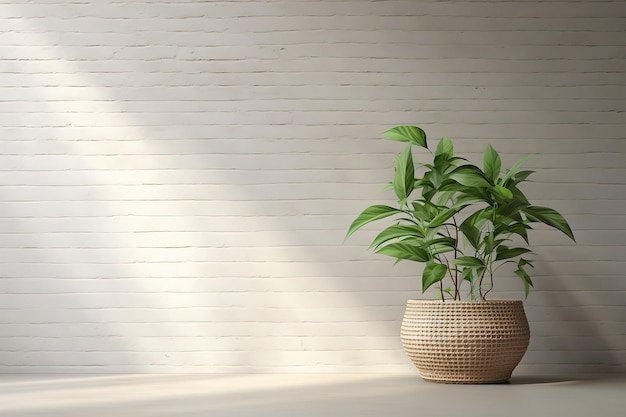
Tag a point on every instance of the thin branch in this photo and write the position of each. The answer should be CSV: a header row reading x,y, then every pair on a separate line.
x,y
441,291
490,285
480,281
457,296
452,277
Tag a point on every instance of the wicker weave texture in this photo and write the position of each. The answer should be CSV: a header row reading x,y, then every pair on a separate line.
x,y
465,342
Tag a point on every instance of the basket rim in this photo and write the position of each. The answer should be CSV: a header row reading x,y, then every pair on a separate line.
x,y
466,302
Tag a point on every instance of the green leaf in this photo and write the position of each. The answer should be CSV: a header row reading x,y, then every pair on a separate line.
x,y
490,242
467,274
442,217
550,217
396,231
456,159
469,198
516,166
405,251
434,177
441,245
427,185
525,279
388,187
518,194
445,149
404,178
492,164
504,252
482,216
476,221
471,233
523,262
445,197
502,192
519,177
512,207
432,209
433,272
420,212
516,228
371,214
410,134
520,272
470,176
467,261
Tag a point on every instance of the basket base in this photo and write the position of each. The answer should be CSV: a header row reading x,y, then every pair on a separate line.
x,y
462,381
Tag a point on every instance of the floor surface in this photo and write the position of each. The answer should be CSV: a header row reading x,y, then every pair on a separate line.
x,y
318,395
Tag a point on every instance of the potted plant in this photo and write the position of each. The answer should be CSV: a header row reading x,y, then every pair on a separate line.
x,y
463,222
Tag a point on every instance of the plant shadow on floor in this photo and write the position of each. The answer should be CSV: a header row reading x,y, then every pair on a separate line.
x,y
563,379
532,380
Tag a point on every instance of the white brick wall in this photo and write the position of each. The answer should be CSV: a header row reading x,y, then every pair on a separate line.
x,y
176,177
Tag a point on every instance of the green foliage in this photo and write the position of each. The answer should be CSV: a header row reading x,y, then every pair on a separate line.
x,y
404,179
433,272
369,215
550,217
461,221
492,164
411,134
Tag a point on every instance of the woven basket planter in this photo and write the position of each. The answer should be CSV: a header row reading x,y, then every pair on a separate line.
x,y
465,342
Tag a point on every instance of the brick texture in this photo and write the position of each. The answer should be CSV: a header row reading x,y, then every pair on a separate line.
x,y
177,177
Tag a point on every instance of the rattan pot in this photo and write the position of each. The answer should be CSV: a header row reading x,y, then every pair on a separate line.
x,y
465,342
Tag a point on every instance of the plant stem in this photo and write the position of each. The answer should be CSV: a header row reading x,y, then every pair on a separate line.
x,y
457,296
490,277
490,284
480,281
452,277
441,291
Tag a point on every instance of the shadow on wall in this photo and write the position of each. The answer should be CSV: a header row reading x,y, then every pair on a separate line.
x,y
200,253
86,283
576,325
176,260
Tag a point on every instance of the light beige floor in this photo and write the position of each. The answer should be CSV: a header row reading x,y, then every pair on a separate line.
x,y
318,395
